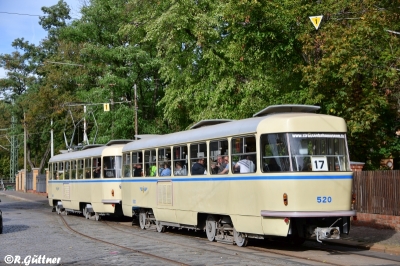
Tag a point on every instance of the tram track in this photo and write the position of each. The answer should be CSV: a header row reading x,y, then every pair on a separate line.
x,y
263,254
266,249
236,250
119,246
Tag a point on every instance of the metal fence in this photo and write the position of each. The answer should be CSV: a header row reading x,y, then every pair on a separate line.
x,y
41,183
377,192
29,181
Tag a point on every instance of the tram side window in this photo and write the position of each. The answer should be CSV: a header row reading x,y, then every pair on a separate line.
x,y
180,161
73,169
198,158
54,171
109,166
274,153
96,167
126,164
60,170
150,162
244,155
67,170
218,152
80,169
88,169
164,160
137,164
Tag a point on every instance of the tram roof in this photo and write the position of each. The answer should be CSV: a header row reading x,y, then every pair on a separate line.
x,y
235,127
275,122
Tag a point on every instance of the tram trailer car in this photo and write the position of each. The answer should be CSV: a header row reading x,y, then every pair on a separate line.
x,y
298,184
87,181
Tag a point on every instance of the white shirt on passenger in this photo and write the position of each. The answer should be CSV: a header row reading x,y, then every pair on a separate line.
x,y
246,166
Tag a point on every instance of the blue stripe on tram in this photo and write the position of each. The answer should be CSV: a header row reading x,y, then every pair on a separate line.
x,y
205,179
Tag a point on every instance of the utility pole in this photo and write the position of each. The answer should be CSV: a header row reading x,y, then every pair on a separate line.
x,y
136,108
26,178
14,148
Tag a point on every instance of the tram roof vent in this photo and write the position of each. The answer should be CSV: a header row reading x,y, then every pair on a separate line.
x,y
146,136
210,122
118,141
91,146
287,108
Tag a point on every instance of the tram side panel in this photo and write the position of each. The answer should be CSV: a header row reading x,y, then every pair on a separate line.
x,y
105,194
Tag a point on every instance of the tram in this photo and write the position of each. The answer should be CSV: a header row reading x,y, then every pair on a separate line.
x,y
87,181
285,172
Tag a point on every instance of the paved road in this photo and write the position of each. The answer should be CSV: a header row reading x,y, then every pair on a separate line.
x,y
30,228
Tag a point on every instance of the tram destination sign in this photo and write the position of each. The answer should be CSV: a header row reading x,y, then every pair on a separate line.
x,y
318,135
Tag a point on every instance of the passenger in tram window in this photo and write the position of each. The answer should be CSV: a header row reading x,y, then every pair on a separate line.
x,y
198,168
221,165
153,170
214,168
179,170
137,172
226,169
245,165
87,174
96,172
166,171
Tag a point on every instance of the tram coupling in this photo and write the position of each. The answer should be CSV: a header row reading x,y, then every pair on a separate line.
x,y
330,232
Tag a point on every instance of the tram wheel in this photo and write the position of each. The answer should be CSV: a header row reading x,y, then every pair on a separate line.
x,y
87,213
143,222
84,212
240,238
97,216
160,228
58,210
211,227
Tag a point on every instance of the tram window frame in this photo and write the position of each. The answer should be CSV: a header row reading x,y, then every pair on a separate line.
x,y
109,169
79,168
164,158
150,160
198,151
276,156
137,160
67,170
73,169
54,171
96,167
217,148
60,170
243,147
88,169
126,164
180,155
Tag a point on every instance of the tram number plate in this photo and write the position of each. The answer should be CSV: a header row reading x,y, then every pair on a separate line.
x,y
319,163
324,199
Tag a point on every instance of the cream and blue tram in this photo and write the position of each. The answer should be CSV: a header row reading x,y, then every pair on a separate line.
x,y
299,185
87,181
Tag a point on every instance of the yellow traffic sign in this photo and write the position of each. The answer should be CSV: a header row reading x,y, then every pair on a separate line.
x,y
316,20
106,107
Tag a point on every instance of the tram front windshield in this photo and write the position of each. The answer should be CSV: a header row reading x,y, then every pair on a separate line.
x,y
310,152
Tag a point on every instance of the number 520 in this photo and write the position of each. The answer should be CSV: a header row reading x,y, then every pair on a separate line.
x,y
324,199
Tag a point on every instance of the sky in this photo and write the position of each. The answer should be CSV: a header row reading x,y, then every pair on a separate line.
x,y
13,26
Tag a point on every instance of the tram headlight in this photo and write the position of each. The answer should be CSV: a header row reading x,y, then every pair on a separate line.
x,y
285,199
